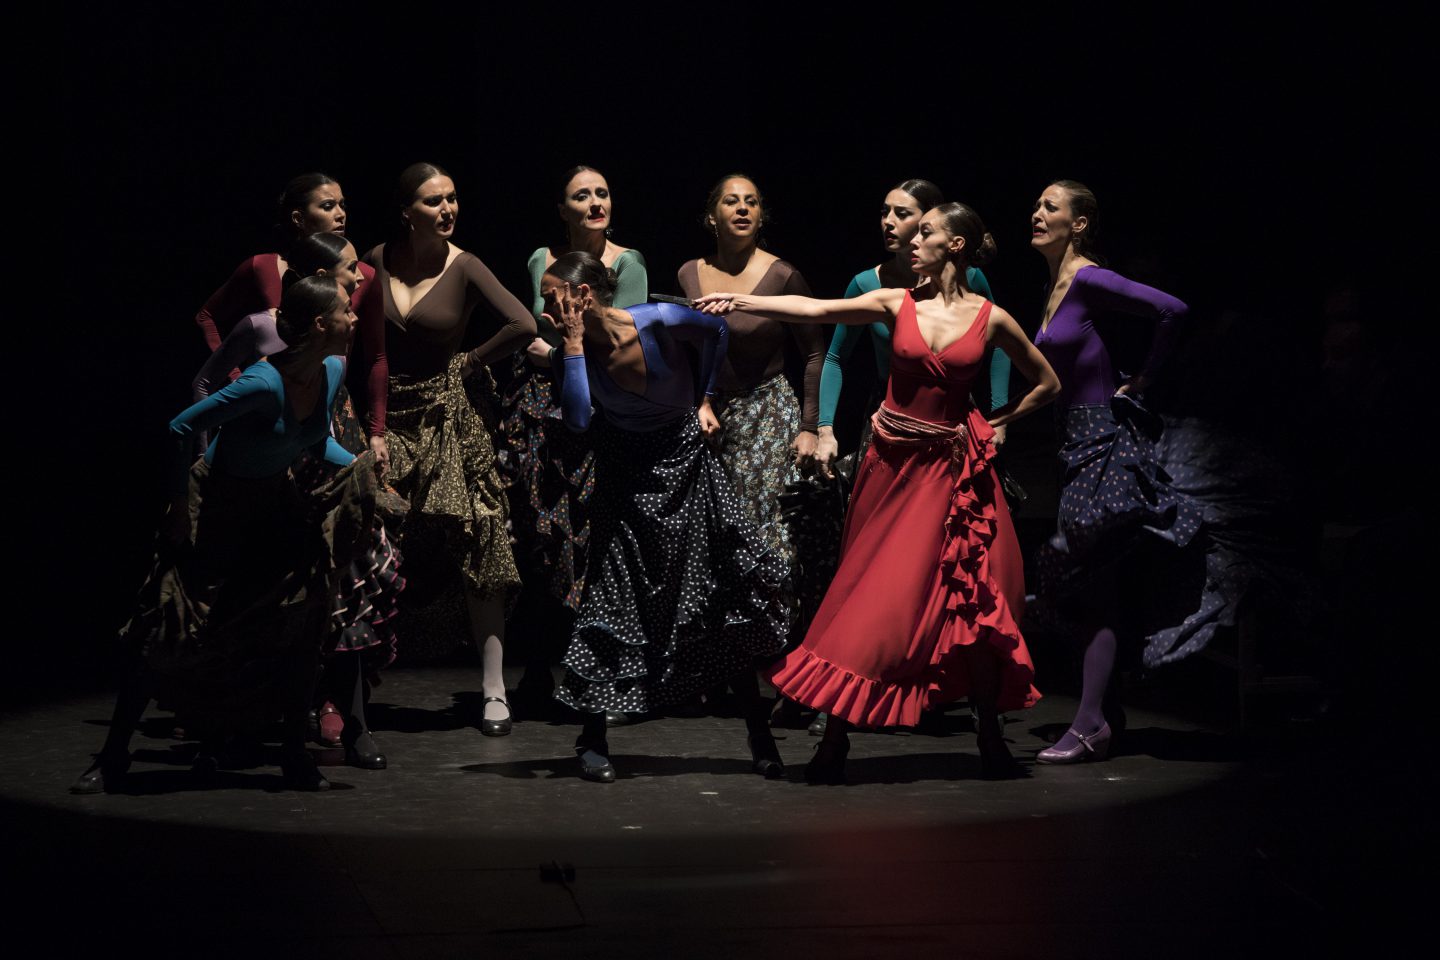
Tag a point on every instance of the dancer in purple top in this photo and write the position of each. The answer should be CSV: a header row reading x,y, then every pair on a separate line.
x,y
1116,493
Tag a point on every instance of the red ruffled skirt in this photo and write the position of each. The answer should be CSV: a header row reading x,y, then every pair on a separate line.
x,y
929,568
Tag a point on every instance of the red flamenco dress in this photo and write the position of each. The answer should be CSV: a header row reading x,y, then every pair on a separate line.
x,y
929,564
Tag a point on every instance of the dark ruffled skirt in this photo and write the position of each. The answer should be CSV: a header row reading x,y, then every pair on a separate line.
x,y
550,473
225,624
1132,542
760,425
683,593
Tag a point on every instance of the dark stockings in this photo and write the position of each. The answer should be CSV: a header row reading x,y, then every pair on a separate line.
x,y
345,687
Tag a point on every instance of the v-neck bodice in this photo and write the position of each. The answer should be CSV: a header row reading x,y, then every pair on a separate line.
x,y
930,385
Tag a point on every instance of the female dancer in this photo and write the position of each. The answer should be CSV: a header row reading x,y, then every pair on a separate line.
x,y
925,607
310,203
1114,486
681,593
900,216
231,625
551,468
367,601
442,456
765,436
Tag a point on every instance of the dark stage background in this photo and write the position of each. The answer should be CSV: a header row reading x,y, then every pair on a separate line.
x,y
1247,167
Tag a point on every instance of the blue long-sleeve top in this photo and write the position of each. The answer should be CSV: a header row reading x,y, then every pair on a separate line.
x,y
261,437
842,344
674,380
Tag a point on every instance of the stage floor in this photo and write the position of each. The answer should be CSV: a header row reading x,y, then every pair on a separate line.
x,y
1188,842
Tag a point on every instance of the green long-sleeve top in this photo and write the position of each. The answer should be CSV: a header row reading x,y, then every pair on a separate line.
x,y
842,344
632,287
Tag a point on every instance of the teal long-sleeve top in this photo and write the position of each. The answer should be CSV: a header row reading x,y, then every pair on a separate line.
x,y
842,344
260,437
632,287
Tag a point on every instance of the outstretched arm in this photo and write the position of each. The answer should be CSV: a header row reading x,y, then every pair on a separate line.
x,y
1006,334
876,306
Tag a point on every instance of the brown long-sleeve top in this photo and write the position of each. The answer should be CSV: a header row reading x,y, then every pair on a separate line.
x,y
421,343
757,344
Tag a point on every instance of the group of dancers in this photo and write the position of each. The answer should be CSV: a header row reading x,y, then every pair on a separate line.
x,y
357,470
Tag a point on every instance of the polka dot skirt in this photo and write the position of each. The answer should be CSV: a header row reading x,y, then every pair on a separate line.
x,y
682,592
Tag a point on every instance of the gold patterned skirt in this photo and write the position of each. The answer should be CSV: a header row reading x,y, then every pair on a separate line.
x,y
442,460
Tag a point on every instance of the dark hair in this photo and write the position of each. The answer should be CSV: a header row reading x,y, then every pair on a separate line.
x,y
315,252
960,221
571,174
304,299
717,191
580,266
926,194
412,178
1083,204
296,196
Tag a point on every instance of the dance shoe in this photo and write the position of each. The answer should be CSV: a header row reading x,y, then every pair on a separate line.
x,y
1096,746
614,718
329,725
765,756
364,753
300,773
495,728
996,762
828,765
102,777
595,761
817,726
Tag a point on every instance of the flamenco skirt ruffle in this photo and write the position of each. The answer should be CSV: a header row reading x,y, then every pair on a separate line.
x,y
225,624
1142,530
682,593
929,573
454,536
550,473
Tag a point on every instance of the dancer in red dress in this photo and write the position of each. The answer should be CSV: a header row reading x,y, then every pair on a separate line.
x,y
926,605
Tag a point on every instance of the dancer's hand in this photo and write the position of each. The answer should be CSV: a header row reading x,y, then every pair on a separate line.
x,y
999,440
381,449
710,424
720,303
1135,384
827,448
803,447
467,367
572,305
538,352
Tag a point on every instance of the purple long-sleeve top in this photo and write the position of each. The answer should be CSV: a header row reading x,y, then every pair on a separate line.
x,y
1075,347
674,381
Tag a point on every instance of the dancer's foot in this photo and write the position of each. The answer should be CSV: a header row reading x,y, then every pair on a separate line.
x,y
594,760
817,726
765,756
1077,747
329,725
365,753
104,776
298,768
495,718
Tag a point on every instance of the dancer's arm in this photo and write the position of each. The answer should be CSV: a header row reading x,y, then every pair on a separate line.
x,y
1006,335
1107,291
632,280
877,306
517,325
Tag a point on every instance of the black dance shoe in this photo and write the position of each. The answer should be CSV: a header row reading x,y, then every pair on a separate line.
x,y
827,767
996,763
614,718
102,777
765,756
495,728
364,753
301,774
817,726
